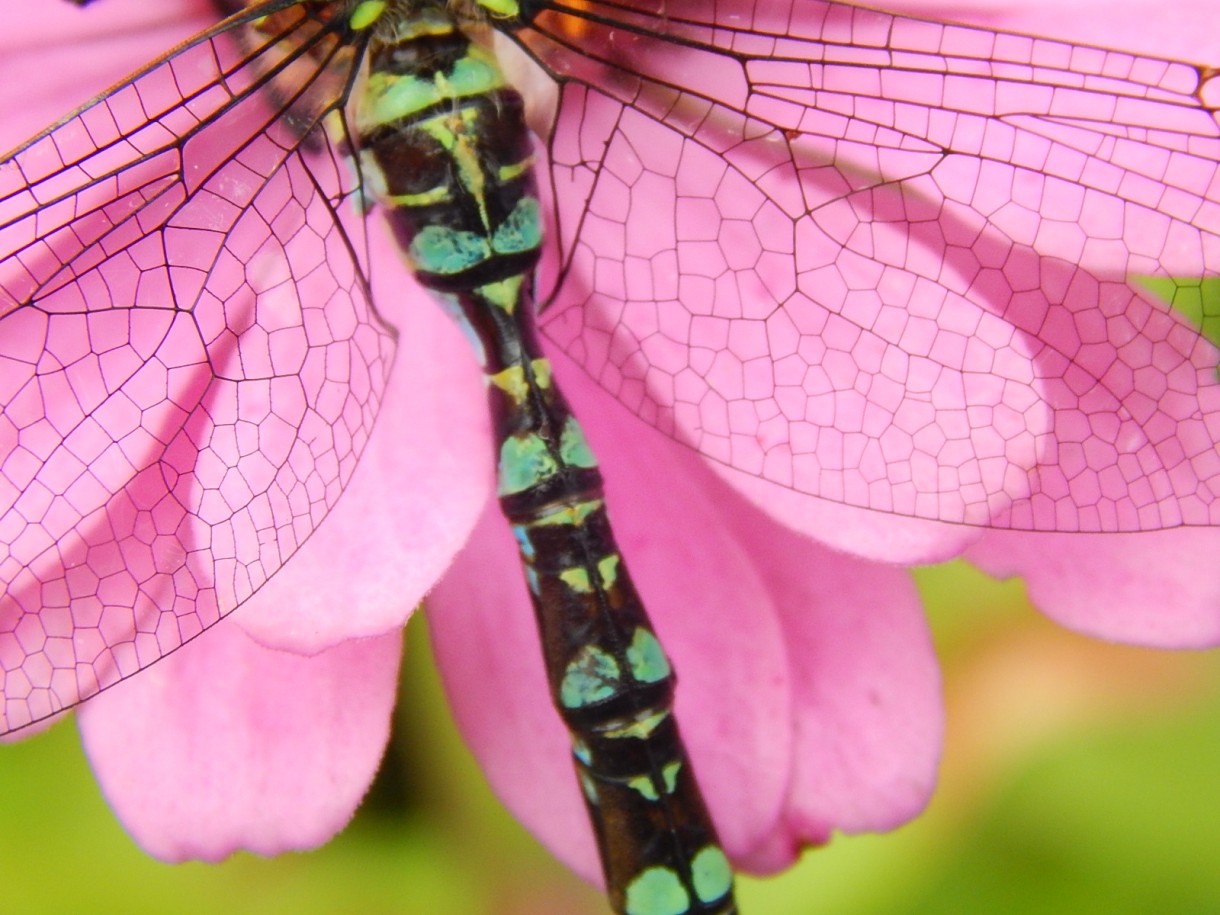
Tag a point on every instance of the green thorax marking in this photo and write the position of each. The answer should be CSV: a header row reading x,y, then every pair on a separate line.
x,y
501,9
366,14
391,97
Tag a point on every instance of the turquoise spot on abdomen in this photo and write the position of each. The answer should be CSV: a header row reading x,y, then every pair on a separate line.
x,y
589,787
657,891
591,677
521,533
524,462
643,785
648,661
577,579
669,772
573,447
581,751
640,729
607,569
711,873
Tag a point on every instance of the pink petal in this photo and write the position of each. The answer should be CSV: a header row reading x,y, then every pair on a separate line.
x,y
1160,589
874,535
411,503
226,744
79,53
487,651
868,717
786,748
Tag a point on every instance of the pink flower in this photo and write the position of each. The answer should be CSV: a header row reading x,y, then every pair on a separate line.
x,y
809,691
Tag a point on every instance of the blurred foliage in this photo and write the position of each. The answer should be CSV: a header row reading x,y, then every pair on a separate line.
x,y
1077,776
1197,299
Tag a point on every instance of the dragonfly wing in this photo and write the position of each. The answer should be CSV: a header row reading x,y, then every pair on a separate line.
x,y
189,360
902,264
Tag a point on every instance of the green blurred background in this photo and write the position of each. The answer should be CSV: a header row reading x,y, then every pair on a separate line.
x,y
1078,777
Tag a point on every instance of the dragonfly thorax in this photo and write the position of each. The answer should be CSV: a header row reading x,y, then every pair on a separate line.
x,y
445,150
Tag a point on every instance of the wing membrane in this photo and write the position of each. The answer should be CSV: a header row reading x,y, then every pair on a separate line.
x,y
892,262
189,360
883,261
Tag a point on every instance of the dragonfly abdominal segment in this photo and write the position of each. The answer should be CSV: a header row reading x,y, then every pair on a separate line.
x,y
444,148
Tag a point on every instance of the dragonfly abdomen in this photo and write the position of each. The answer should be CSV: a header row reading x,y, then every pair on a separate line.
x,y
445,150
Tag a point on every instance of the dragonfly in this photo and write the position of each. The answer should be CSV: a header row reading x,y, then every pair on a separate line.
x,y
738,214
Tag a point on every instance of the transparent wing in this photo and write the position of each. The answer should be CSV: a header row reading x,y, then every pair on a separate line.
x,y
189,361
890,262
